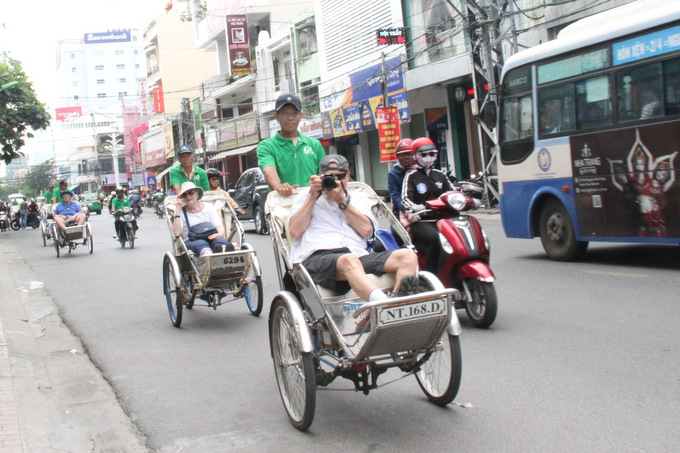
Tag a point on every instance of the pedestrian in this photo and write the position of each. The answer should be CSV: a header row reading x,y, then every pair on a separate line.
x,y
23,210
289,158
187,171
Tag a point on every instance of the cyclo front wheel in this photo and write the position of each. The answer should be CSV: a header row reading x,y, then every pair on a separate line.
x,y
439,376
294,369
173,296
253,292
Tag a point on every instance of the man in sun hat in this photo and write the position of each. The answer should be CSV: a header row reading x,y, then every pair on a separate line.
x,y
68,211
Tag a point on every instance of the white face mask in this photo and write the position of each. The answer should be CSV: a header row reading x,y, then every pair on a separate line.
x,y
425,162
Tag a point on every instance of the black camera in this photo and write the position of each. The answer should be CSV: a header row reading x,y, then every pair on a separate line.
x,y
328,181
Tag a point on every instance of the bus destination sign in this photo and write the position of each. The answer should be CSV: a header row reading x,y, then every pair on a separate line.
x,y
647,46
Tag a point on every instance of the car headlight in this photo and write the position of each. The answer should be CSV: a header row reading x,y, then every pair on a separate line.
x,y
457,201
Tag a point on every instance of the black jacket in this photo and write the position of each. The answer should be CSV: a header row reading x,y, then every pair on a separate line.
x,y
419,187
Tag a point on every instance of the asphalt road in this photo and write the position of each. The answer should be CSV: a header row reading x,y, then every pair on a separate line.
x,y
582,357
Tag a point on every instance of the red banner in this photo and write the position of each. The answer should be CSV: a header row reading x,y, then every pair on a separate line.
x,y
68,113
239,47
388,131
158,101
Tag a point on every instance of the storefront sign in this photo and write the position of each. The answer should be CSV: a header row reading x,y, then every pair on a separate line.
x,y
388,131
239,48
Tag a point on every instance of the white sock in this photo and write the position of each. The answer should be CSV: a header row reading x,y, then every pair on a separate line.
x,y
376,295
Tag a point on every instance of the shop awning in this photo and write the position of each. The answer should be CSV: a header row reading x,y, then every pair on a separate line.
x,y
233,152
160,175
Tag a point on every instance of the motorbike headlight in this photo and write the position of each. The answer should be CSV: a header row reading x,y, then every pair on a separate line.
x,y
446,246
487,244
457,201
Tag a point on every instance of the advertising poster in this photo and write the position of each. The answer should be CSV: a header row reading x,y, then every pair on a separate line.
x,y
626,181
239,48
158,101
361,93
68,113
388,131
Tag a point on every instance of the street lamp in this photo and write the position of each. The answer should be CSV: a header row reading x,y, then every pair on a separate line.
x,y
8,85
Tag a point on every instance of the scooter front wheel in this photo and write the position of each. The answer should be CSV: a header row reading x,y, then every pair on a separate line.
x,y
481,303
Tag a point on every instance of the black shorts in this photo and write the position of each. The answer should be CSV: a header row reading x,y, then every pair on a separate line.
x,y
322,264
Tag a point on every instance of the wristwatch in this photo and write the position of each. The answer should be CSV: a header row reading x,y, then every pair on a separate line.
x,y
344,204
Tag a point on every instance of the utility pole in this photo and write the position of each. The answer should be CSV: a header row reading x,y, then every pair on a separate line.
x,y
483,19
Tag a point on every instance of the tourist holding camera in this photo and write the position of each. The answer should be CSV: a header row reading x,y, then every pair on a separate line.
x,y
330,231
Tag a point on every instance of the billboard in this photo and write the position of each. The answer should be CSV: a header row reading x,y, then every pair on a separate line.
x,y
107,37
348,105
68,113
237,41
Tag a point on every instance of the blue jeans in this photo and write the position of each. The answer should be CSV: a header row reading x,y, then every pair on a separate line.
x,y
24,217
199,245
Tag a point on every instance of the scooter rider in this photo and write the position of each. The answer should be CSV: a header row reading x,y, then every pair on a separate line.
x,y
135,199
395,179
119,202
421,184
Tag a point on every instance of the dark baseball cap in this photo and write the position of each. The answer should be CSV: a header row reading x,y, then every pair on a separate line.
x,y
340,162
185,149
288,99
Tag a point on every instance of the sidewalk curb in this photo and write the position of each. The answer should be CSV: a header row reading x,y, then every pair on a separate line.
x,y
52,397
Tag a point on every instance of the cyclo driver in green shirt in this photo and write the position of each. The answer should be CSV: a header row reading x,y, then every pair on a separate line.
x,y
187,171
288,159
119,202
56,194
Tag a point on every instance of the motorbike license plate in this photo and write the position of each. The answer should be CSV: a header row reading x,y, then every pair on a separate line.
x,y
391,314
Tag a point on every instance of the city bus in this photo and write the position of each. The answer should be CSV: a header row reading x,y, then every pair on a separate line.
x,y
589,132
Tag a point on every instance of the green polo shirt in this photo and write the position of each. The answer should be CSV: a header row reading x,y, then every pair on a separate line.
x,y
57,194
48,196
118,204
199,178
294,163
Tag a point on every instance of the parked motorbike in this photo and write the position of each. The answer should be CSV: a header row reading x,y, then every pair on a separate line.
x,y
127,230
32,221
4,223
465,261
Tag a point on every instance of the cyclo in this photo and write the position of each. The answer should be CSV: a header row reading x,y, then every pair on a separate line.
x,y
223,278
46,222
72,236
314,334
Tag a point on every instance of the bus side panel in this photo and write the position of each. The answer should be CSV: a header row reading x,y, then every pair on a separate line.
x,y
626,182
520,211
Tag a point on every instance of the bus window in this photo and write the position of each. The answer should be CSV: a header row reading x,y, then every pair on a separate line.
x,y
556,107
594,105
517,116
671,70
640,92
517,119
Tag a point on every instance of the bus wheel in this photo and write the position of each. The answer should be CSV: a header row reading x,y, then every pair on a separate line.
x,y
557,233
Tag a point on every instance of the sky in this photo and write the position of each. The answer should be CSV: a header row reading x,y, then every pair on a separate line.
x,y
31,29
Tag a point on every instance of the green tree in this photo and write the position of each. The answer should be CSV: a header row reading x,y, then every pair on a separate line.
x,y
19,109
37,179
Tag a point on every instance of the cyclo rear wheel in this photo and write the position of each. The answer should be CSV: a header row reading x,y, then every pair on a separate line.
x,y
173,296
253,292
439,377
294,369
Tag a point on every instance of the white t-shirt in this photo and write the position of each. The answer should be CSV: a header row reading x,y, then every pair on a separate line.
x,y
328,228
208,214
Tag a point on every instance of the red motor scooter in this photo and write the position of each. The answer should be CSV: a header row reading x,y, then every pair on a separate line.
x,y
464,263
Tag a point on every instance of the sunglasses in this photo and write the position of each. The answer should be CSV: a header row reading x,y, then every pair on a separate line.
x,y
338,177
428,153
188,192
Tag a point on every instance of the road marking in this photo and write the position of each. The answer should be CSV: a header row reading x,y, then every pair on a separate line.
x,y
617,274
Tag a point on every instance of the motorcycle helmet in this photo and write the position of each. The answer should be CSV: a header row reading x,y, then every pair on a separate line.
x,y
404,145
119,189
213,173
424,152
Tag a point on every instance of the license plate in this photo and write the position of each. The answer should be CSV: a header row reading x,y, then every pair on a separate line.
x,y
399,313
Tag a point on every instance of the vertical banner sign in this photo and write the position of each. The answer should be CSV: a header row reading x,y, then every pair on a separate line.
x,y
158,101
388,131
237,40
